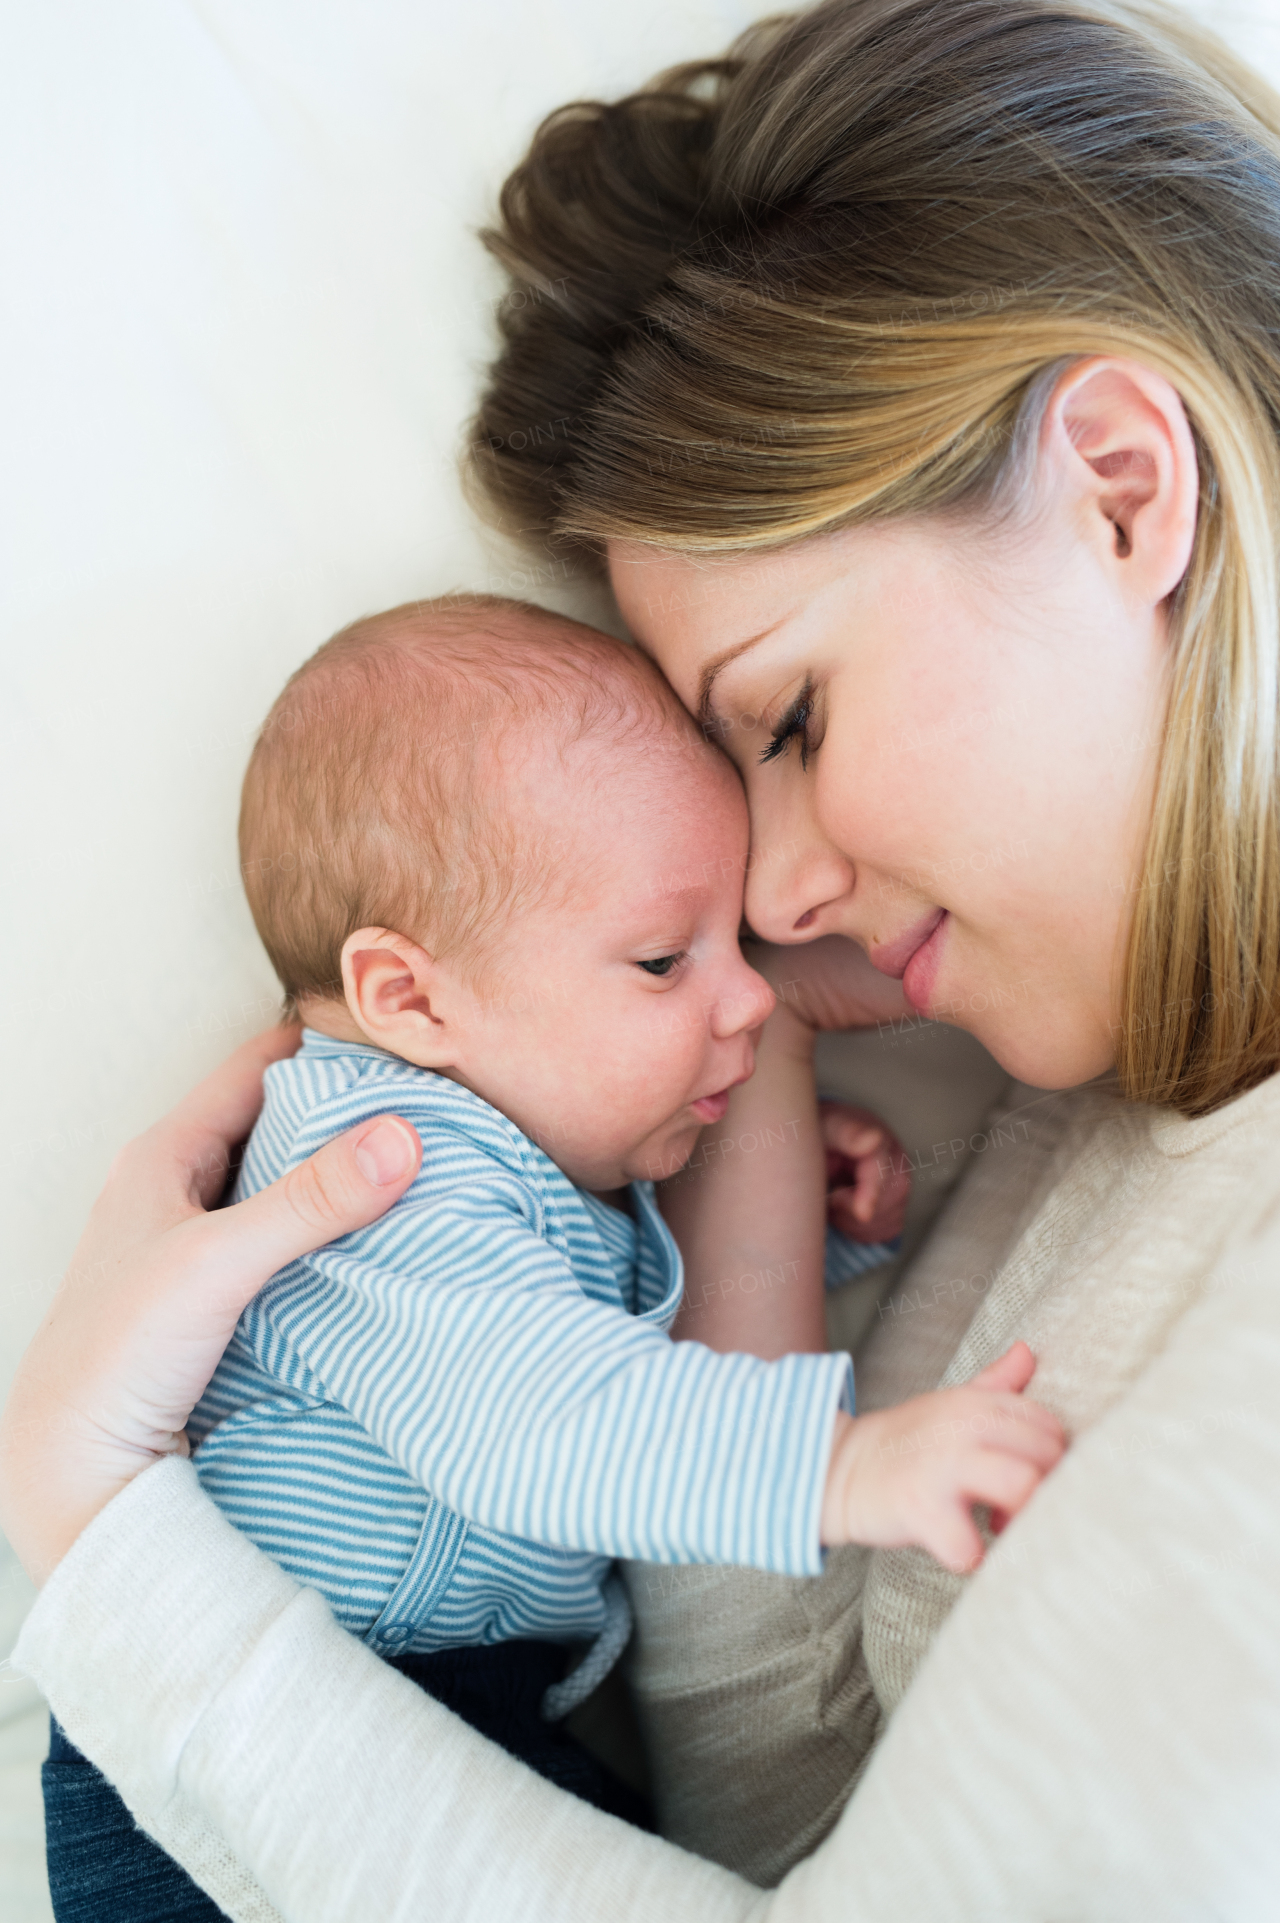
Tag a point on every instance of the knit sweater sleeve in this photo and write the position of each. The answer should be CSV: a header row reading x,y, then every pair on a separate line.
x,y
1095,1730
293,1774
1095,1733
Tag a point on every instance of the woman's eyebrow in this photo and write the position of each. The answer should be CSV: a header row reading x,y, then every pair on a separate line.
x,y
706,716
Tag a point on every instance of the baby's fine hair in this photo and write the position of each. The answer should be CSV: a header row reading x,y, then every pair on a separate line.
x,y
373,796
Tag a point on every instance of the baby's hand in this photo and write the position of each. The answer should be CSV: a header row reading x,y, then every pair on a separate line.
x,y
868,1174
913,1473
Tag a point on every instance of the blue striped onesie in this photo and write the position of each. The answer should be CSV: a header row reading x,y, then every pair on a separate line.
x,y
452,1421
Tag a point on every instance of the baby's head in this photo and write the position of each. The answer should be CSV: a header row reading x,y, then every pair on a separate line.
x,y
492,842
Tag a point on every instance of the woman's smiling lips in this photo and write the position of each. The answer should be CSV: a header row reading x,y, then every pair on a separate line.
x,y
913,958
921,972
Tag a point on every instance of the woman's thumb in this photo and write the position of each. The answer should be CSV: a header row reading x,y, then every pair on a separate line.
x,y
345,1185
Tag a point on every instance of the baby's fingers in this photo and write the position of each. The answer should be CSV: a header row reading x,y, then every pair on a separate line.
x,y
872,1207
1041,1447
970,1414
1006,1483
951,1535
848,1132
1022,1429
864,1198
1009,1373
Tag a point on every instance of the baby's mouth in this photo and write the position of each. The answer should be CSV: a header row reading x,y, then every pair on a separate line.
x,y
711,1108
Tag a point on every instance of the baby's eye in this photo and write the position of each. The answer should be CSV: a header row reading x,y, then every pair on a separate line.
x,y
661,965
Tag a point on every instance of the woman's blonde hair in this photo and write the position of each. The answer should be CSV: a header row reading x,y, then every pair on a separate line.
x,y
829,279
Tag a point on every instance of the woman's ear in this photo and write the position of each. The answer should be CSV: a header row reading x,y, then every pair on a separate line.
x,y
1118,435
398,996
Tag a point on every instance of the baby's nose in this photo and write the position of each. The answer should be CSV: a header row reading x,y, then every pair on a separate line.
x,y
748,1003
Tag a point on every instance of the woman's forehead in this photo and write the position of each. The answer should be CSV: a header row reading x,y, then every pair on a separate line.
x,y
697,615
697,606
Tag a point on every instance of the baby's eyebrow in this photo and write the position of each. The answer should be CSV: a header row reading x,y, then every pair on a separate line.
x,y
683,885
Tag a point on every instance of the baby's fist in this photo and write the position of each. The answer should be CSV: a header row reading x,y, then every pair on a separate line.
x,y
913,1473
868,1174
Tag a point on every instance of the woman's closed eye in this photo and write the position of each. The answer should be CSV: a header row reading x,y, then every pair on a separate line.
x,y
662,965
794,724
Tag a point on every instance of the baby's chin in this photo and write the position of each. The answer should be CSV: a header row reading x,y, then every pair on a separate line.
x,y
663,1154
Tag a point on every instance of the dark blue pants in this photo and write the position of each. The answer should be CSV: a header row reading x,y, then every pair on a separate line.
x,y
102,1869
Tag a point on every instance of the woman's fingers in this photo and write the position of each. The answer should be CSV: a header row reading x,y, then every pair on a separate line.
x,y
145,1313
202,1276
226,1102
179,1167
345,1185
174,1309
220,1112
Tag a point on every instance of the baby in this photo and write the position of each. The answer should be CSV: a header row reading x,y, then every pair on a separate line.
x,y
500,872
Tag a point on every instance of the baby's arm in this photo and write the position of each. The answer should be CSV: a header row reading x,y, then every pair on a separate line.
x,y
749,1215
750,1224
750,1210
460,1340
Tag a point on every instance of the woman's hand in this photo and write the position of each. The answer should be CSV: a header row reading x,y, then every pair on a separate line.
x,y
829,983
155,1289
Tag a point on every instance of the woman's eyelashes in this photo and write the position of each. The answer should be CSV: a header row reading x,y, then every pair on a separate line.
x,y
794,725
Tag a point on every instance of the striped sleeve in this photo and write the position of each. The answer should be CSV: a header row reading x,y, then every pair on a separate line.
x,y
464,1345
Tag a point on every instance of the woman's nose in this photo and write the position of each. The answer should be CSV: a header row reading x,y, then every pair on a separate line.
x,y
791,878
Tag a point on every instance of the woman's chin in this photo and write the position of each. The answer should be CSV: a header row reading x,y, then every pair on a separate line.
x,y
1060,1062
1042,1039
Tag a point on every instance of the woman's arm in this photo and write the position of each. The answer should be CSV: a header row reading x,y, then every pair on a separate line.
x,y
225,1703
1111,1673
1096,1730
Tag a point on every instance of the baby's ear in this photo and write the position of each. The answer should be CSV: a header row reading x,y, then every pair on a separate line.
x,y
397,995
